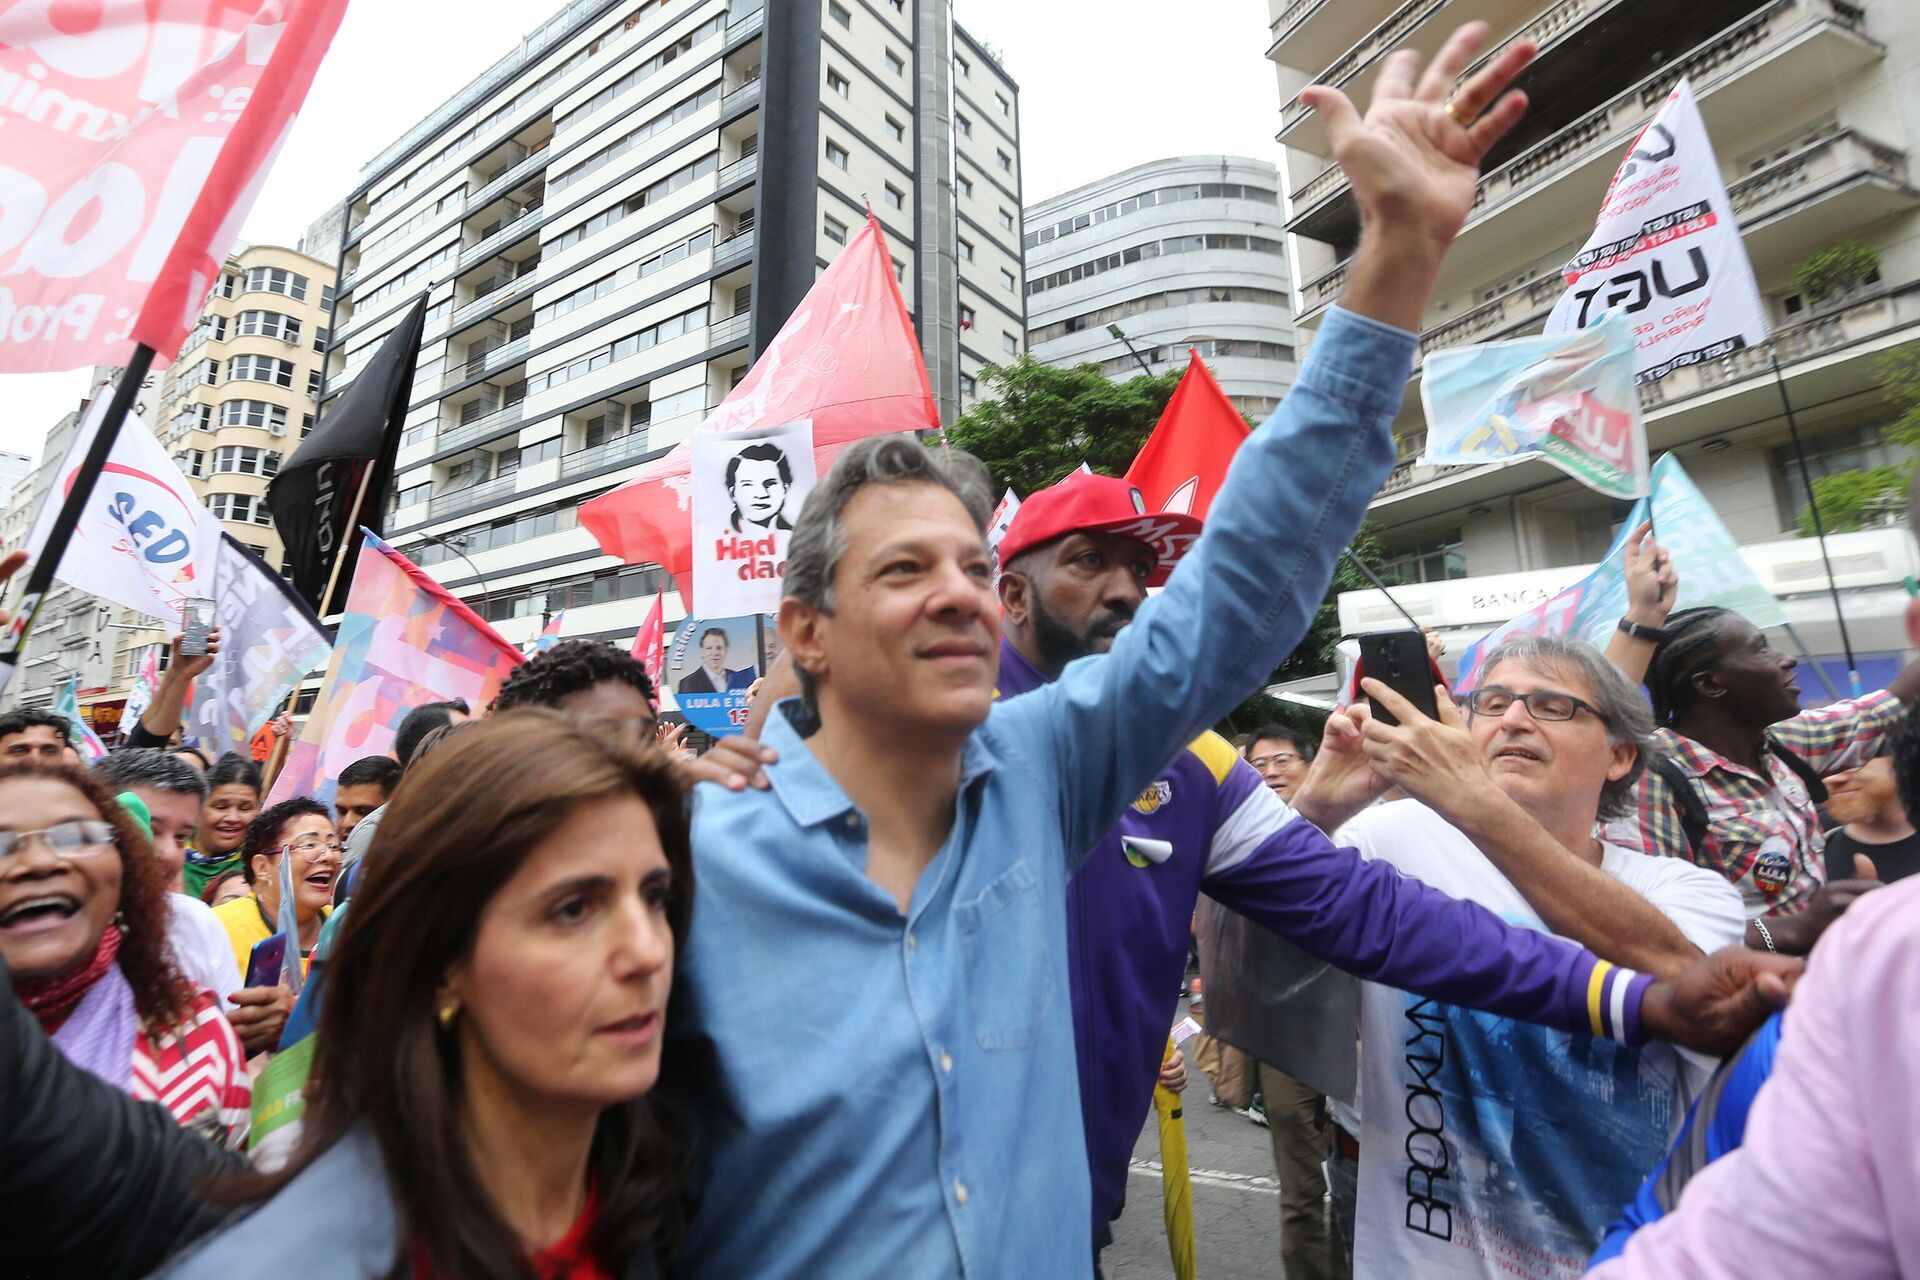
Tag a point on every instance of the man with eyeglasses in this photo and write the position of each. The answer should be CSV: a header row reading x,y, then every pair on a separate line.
x,y
1482,1139
1280,756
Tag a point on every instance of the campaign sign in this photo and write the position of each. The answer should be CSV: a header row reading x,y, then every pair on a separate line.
x,y
747,491
711,665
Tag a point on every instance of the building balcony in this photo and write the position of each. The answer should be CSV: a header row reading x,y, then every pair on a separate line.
x,y
1798,45
496,293
734,248
732,329
741,98
510,177
1315,32
523,224
474,495
740,170
742,27
492,358
630,446
483,428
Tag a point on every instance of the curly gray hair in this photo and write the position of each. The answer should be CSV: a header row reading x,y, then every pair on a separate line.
x,y
1628,718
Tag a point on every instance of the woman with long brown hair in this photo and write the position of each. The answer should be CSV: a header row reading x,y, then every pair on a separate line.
x,y
493,1025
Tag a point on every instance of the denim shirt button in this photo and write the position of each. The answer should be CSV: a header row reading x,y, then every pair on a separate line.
x,y
959,1192
946,1062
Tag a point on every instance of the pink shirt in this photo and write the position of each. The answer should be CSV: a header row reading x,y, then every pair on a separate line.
x,y
1828,1180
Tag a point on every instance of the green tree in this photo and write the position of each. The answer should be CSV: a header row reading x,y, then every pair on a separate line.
x,y
1036,422
1867,497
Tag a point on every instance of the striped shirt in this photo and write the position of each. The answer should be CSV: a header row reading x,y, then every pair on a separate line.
x,y
1763,834
199,1074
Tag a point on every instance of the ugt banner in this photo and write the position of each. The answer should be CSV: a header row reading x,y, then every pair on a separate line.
x,y
269,641
404,641
1666,250
137,134
143,540
1712,572
1568,398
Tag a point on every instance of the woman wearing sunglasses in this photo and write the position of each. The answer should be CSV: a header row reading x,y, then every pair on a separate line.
x,y
300,829
83,928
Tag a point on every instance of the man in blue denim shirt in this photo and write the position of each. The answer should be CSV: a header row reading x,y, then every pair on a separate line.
x,y
873,993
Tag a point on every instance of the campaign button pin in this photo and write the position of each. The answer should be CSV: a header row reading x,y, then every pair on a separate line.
x,y
1772,871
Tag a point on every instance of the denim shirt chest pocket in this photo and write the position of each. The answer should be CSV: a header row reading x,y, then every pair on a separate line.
x,y
1003,932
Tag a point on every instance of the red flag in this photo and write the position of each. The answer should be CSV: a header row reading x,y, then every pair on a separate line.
x,y
138,135
1185,459
646,643
846,359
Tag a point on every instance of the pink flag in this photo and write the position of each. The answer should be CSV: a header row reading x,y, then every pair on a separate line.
x,y
846,359
138,132
646,644
403,641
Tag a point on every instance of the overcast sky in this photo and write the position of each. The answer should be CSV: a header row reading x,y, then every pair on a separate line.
x,y
1102,86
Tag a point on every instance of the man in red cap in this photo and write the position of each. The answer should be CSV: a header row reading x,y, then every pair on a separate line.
x,y
1077,562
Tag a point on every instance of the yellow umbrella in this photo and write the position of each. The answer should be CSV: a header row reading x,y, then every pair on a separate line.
x,y
1176,1188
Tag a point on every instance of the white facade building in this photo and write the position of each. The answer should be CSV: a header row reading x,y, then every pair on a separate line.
x,y
1178,253
1813,107
611,221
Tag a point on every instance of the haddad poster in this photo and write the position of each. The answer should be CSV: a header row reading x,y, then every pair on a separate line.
x,y
747,490
711,664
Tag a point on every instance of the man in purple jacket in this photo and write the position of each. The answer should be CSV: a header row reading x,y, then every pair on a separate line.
x,y
1078,560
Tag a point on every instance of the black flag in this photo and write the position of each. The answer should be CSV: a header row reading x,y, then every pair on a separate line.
x,y
352,445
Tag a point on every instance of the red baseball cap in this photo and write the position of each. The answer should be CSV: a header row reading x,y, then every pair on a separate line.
x,y
1087,503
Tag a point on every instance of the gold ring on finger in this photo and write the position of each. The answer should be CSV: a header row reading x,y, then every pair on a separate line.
x,y
1453,114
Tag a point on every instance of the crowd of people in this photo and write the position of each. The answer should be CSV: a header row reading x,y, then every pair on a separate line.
x,y
820,1000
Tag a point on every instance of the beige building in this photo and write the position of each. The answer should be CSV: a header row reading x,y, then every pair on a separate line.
x,y
1813,108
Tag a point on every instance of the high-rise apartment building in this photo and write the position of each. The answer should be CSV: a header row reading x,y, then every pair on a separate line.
x,y
1176,254
611,221
1813,107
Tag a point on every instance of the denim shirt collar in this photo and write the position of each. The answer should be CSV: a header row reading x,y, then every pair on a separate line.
x,y
810,793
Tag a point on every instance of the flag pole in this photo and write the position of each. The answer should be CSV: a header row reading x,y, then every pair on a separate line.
x,y
1374,578
352,523
40,580
1819,528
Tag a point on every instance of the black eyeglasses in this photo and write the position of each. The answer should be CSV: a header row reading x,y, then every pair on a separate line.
x,y
1541,704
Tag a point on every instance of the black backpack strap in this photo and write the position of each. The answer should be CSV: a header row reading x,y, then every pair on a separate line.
x,y
1693,810
1801,768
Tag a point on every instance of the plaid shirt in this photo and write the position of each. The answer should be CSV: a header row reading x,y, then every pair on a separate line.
x,y
1754,817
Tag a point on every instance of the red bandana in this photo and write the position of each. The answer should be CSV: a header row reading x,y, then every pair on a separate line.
x,y
51,999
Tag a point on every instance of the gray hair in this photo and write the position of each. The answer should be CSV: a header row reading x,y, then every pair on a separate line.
x,y
820,535
152,768
1628,718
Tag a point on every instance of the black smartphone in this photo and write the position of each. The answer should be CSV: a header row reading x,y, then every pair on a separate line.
x,y
268,957
1398,659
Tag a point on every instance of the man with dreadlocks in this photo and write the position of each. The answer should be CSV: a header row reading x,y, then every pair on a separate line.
x,y
1737,776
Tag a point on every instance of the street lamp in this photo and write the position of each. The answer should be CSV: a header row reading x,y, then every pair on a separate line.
x,y
1115,330
459,549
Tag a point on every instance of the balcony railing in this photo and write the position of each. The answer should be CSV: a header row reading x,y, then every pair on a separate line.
x,y
745,96
523,224
732,329
1290,17
740,170
740,245
494,357
504,181
484,427
632,445
1380,40
497,293
744,27
474,495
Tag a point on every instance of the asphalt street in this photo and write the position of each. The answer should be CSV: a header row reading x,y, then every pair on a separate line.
x,y
1236,1204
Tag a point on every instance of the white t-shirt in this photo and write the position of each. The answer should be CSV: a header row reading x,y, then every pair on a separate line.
x,y
201,948
1494,1149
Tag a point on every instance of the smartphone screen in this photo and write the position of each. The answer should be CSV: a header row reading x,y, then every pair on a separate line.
x,y
197,615
1398,659
264,962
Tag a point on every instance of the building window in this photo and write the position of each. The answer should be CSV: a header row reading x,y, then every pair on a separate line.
x,y
1436,560
895,63
267,324
274,280
260,369
1855,449
1010,344
838,83
899,6
967,386
244,460
966,317
836,230
1004,160
241,507
963,184
836,154
313,382
898,130
1006,279
964,125
1000,101
192,462
1006,220
899,271
964,248
257,414
838,12
960,65
896,199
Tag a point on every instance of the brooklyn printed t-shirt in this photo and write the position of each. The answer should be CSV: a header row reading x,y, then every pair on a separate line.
x,y
1494,1149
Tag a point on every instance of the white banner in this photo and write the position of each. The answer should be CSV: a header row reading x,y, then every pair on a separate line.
x,y
747,490
997,529
144,541
1666,250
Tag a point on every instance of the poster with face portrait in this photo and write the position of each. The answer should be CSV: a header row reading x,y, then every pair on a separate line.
x,y
747,491
712,662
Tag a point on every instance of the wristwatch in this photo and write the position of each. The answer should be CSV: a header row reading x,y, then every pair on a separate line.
x,y
1639,631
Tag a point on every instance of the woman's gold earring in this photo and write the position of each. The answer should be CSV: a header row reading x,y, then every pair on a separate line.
x,y
447,1012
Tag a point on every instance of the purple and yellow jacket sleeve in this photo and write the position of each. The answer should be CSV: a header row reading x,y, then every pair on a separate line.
x,y
1276,868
